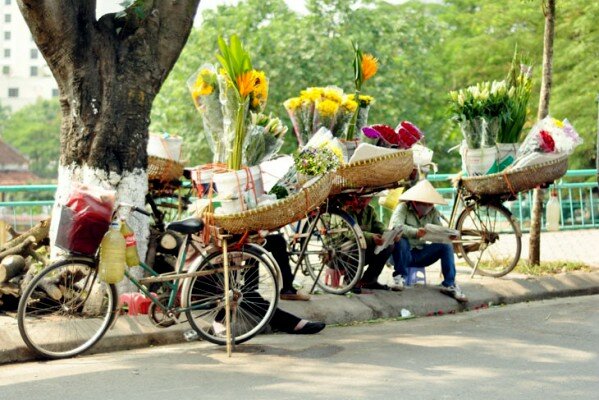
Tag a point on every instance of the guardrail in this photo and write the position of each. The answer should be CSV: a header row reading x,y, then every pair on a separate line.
x,y
23,206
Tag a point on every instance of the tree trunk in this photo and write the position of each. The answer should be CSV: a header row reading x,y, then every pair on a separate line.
x,y
534,256
108,72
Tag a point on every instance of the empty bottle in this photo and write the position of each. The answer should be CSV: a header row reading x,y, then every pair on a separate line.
x,y
112,255
552,212
130,245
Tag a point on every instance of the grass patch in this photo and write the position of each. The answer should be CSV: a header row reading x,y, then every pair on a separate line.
x,y
550,267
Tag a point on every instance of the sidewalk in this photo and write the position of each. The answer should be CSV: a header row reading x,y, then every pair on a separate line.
x,y
131,332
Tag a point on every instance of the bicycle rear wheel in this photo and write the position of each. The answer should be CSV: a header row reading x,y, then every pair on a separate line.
x,y
253,295
65,309
334,256
490,240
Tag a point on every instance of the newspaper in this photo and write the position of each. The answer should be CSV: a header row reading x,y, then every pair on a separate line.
x,y
438,234
389,237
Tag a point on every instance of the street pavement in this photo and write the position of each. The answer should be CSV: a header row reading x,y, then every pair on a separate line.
x,y
134,332
528,351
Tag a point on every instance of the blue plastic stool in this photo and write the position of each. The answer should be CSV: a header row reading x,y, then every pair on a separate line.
x,y
416,275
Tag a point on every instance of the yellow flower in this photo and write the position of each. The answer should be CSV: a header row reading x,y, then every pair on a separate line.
x,y
364,99
369,66
312,93
327,108
333,93
246,83
260,91
293,103
204,84
558,123
337,152
349,104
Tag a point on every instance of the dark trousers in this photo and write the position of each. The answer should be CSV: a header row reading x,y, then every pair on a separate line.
x,y
405,257
376,263
277,246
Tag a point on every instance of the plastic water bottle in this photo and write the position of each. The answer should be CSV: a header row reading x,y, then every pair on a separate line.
x,y
552,212
130,245
112,255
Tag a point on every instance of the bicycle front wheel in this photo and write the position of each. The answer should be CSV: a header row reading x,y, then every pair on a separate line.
x,y
490,240
65,309
253,295
334,256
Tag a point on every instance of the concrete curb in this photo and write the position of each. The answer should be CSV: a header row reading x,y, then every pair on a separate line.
x,y
135,332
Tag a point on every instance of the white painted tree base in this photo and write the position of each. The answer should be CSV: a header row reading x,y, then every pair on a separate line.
x,y
130,188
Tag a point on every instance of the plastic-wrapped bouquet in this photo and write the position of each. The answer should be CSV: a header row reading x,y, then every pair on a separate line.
x,y
548,139
264,138
403,137
318,107
225,99
365,67
203,85
312,161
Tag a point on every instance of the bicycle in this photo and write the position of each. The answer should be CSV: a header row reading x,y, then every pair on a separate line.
x,y
482,222
66,309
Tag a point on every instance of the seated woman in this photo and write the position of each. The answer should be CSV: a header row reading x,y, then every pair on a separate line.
x,y
415,210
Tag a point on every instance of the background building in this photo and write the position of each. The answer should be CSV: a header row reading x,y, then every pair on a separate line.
x,y
24,75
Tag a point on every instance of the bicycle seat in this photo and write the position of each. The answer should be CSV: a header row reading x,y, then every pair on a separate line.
x,y
186,226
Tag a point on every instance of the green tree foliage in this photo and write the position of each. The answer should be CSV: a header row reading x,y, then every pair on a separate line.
x,y
481,39
35,131
425,50
298,51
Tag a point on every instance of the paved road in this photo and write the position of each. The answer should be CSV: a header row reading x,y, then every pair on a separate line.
x,y
541,350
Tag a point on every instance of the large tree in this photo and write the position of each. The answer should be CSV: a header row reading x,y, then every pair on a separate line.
x,y
108,71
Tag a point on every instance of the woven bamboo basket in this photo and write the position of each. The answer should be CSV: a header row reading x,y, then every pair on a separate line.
x,y
163,169
278,214
374,172
517,180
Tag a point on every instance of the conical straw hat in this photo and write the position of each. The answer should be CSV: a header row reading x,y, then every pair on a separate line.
x,y
423,192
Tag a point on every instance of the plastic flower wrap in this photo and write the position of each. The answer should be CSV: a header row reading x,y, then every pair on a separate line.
x,y
204,89
548,139
263,140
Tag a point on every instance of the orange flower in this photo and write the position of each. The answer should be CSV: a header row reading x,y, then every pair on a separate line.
x,y
369,66
246,83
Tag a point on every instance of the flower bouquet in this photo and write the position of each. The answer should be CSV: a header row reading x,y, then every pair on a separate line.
x,y
548,139
403,137
264,139
203,85
310,162
365,67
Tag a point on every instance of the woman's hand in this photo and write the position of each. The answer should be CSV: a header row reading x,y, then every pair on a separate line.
x,y
420,233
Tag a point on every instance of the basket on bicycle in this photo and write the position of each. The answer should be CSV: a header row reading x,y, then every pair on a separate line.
x,y
374,172
278,214
518,179
164,169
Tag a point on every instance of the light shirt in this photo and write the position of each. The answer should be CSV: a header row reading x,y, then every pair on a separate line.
x,y
405,215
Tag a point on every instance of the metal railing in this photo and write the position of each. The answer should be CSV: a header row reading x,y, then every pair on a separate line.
x,y
578,196
23,206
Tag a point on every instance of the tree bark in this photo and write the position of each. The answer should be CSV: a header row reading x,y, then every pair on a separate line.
x,y
534,256
108,72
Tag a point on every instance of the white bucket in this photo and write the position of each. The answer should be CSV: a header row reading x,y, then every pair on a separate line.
x,y
478,162
506,154
244,183
165,146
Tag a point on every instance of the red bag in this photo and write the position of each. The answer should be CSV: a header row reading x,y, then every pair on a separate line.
x,y
90,212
